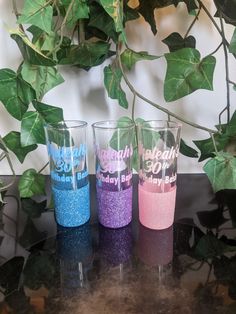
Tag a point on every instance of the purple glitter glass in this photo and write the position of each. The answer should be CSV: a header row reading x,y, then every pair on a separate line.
x,y
114,208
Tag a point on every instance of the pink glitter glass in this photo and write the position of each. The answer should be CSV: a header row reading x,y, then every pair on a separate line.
x,y
158,144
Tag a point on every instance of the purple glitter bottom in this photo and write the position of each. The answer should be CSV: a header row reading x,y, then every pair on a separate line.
x,y
114,208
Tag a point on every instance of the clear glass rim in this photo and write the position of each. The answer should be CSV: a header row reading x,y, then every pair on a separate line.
x,y
167,125
112,125
73,124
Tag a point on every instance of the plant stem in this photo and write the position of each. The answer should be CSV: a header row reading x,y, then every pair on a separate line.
x,y
210,17
213,21
15,10
172,114
81,31
231,82
63,24
217,48
5,187
133,105
45,166
193,22
226,69
214,142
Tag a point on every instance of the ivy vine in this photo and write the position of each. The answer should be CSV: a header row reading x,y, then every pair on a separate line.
x,y
83,33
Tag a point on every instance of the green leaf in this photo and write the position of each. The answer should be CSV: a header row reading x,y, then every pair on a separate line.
x,y
15,93
211,218
227,10
40,270
209,247
149,137
87,54
41,78
147,8
50,114
12,141
31,183
119,142
232,46
130,57
32,208
42,40
191,5
38,35
10,274
130,13
187,150
78,10
30,52
175,42
112,80
221,171
230,128
32,131
100,19
121,139
187,73
207,147
31,235
49,41
115,9
38,13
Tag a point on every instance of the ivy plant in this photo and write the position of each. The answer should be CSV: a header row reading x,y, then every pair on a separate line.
x,y
85,33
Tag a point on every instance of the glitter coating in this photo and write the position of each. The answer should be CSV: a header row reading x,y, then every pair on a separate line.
x,y
115,244
156,210
72,207
114,208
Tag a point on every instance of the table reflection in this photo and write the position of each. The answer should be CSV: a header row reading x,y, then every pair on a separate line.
x,y
155,247
74,246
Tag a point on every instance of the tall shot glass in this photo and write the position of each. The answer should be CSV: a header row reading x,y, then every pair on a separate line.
x,y
158,146
114,151
66,145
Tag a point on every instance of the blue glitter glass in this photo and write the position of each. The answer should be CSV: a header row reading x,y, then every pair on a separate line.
x,y
66,144
72,206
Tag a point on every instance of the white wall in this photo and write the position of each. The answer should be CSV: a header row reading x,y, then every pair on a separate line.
x,y
82,96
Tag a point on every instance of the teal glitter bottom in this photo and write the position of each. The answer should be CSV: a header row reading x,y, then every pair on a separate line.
x,y
72,207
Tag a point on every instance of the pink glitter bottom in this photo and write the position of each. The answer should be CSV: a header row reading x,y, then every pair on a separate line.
x,y
156,210
114,208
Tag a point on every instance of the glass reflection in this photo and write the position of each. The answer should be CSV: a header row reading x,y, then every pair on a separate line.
x,y
75,251
155,247
115,245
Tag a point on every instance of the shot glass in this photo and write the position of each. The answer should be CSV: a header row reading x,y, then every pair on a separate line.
x,y
66,145
158,148
114,151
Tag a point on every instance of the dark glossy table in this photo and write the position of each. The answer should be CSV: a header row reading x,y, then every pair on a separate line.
x,y
188,268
